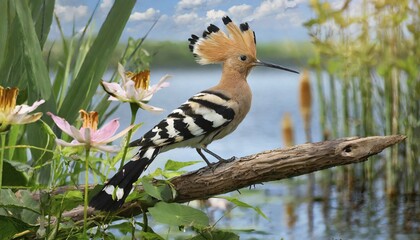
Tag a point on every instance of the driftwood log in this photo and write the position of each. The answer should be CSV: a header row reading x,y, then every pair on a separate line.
x,y
262,167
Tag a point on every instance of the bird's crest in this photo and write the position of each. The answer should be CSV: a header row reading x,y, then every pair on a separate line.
x,y
215,46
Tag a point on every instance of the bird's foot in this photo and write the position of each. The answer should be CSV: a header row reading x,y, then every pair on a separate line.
x,y
223,160
214,165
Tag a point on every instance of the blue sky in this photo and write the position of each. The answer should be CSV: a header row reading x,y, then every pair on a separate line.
x,y
272,20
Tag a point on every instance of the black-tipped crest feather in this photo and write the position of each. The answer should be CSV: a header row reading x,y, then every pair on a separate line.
x,y
192,41
216,46
226,20
244,27
212,28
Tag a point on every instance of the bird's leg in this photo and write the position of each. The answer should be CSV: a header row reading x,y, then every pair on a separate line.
x,y
217,156
203,157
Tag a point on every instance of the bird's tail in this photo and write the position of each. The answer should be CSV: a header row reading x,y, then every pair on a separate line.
x,y
114,193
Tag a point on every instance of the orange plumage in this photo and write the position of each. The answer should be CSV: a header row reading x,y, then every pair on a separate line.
x,y
215,46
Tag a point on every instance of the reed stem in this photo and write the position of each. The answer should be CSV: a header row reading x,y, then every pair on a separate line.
x,y
134,108
86,198
3,144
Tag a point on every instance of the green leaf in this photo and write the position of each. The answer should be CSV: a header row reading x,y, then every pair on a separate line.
x,y
11,226
30,213
176,214
11,68
14,174
74,195
42,15
35,78
159,190
39,84
66,201
244,205
172,165
12,139
24,208
150,236
7,197
170,174
215,234
4,28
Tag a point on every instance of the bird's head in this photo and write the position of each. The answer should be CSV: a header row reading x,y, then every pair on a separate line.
x,y
236,50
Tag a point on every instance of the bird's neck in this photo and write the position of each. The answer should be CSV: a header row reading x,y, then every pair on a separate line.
x,y
235,86
232,78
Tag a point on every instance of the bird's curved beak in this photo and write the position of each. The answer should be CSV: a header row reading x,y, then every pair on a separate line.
x,y
271,65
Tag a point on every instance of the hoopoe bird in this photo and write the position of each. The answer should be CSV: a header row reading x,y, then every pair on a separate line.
x,y
207,116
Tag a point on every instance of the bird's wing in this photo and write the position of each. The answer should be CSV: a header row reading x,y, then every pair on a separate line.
x,y
202,114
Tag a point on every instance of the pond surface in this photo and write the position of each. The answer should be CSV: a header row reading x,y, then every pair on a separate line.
x,y
363,212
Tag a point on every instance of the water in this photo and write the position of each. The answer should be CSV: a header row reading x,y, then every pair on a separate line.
x,y
360,213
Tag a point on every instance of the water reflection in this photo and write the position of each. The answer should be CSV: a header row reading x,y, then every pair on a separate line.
x,y
331,214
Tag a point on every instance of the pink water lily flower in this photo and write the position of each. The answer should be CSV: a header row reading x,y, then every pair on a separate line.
x,y
11,114
135,88
88,135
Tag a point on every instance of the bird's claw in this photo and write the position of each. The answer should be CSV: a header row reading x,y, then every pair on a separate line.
x,y
214,165
222,160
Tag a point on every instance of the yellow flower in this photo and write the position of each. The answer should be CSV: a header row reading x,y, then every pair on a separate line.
x,y
11,114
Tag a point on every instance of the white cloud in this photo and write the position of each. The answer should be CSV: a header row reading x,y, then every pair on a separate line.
x,y
268,8
68,13
291,18
189,4
149,14
106,4
214,15
240,11
273,7
186,18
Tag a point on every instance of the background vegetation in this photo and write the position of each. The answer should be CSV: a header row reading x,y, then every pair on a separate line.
x,y
370,60
169,54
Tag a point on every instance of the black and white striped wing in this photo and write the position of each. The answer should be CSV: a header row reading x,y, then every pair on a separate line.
x,y
202,114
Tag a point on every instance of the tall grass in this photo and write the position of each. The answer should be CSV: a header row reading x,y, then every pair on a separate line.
x,y
369,53
67,84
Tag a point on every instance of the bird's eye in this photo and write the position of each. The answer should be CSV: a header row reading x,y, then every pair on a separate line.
x,y
243,58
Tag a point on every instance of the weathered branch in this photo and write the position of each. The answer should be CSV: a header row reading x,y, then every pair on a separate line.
x,y
263,167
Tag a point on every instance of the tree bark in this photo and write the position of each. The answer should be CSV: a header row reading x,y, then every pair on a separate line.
x,y
262,167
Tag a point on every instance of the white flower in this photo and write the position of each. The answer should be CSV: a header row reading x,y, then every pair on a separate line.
x,y
11,114
135,88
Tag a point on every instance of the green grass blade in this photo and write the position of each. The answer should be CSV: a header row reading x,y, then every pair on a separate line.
x,y
4,27
38,80
95,64
11,68
42,15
